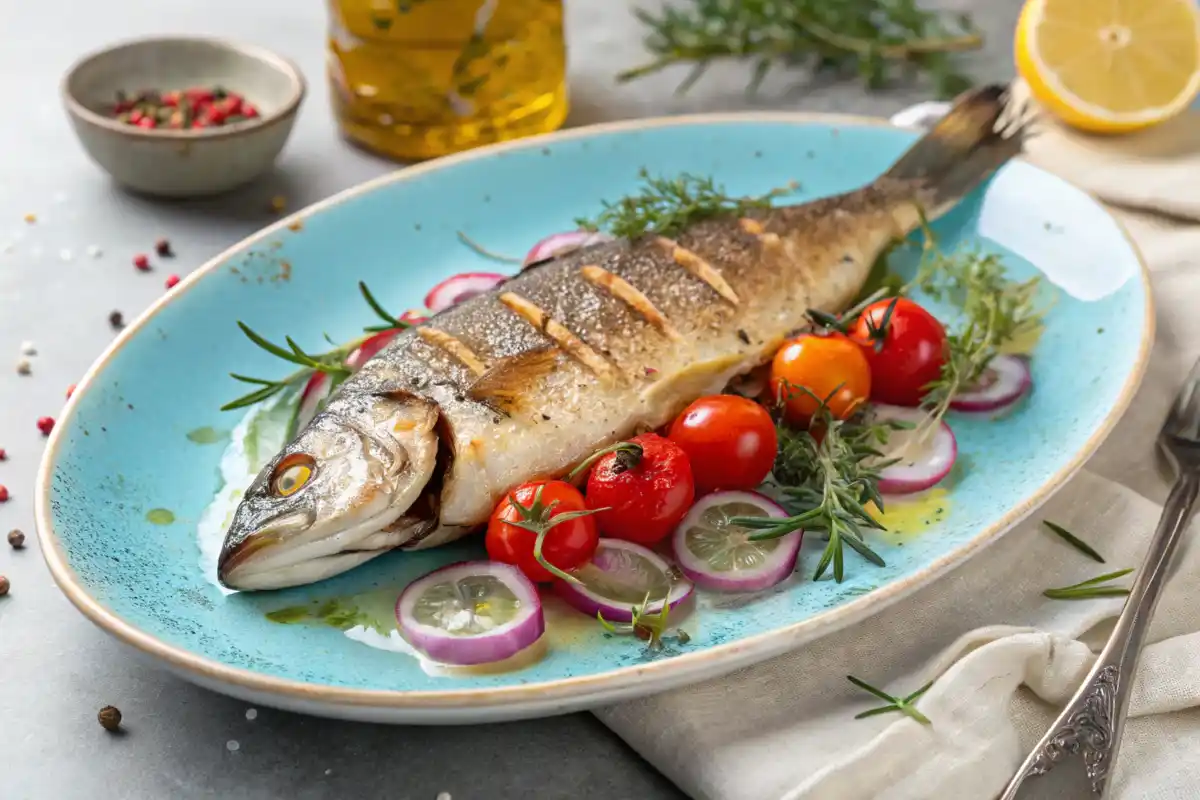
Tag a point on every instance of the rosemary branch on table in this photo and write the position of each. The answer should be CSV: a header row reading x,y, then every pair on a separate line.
x,y
667,205
827,480
874,39
1073,540
902,704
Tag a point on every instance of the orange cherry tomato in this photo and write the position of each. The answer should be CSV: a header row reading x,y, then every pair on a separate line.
x,y
831,367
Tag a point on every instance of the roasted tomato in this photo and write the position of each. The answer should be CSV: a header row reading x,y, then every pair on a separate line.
x,y
554,511
819,367
905,347
644,487
729,440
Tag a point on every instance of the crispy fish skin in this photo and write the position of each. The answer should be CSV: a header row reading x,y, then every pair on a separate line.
x,y
591,347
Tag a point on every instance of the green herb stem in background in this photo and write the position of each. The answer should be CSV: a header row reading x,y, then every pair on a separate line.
x,y
667,205
1073,540
1090,589
901,704
875,39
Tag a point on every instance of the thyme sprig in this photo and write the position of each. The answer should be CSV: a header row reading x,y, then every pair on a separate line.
x,y
902,704
872,38
1073,540
666,205
650,628
827,475
331,362
1092,588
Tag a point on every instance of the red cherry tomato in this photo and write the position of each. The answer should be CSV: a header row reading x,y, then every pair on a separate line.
x,y
905,353
644,496
829,366
568,544
729,440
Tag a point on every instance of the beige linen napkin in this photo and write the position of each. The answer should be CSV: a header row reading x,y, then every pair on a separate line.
x,y
1004,657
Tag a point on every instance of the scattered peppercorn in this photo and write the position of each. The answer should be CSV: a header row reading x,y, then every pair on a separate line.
x,y
117,320
45,425
16,539
24,366
194,108
3,454
31,218
163,248
4,586
110,718
172,281
70,391
278,203
3,493
142,262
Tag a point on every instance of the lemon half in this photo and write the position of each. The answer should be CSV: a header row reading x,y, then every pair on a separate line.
x,y
1110,65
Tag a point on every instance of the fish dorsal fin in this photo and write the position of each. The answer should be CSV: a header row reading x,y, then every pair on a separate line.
x,y
506,381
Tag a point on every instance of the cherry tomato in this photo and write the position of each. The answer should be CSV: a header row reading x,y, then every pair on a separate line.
x,y
645,496
729,440
568,544
905,354
831,366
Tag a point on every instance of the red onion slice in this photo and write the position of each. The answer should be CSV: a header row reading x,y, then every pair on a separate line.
x,y
473,612
559,244
717,555
926,455
1005,381
457,288
620,576
370,348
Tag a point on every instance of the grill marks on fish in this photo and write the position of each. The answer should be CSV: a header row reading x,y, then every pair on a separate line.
x,y
464,354
633,298
696,265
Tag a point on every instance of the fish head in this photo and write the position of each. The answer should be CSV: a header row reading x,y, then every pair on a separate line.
x,y
336,495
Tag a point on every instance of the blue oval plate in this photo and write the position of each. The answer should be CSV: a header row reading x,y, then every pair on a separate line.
x,y
132,468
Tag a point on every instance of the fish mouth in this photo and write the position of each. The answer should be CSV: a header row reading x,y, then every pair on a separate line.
x,y
287,552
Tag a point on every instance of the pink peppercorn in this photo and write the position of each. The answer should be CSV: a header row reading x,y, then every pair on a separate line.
x,y
171,281
3,454
45,425
142,262
70,391
3,494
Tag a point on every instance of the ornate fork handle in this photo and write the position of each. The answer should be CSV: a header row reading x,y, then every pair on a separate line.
x,y
1090,726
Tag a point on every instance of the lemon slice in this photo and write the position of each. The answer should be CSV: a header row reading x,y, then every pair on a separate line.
x,y
1110,65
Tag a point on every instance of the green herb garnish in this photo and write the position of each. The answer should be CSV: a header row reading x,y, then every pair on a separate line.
x,y
667,205
874,39
333,613
651,628
331,362
483,251
827,482
1089,589
901,704
1073,540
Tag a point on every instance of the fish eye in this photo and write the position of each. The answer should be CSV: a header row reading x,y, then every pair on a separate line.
x,y
292,474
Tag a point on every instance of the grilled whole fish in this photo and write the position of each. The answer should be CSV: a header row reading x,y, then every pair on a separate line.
x,y
576,353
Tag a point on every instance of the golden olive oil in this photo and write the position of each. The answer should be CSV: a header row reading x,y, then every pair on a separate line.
x,y
417,79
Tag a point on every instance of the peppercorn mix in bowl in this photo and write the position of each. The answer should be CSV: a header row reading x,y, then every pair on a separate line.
x,y
183,116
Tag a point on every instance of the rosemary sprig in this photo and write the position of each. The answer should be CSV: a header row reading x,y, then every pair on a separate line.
x,y
901,704
872,38
1089,589
331,362
1073,540
483,251
827,481
651,628
666,205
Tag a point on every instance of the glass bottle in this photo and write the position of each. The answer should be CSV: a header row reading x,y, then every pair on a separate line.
x,y
417,79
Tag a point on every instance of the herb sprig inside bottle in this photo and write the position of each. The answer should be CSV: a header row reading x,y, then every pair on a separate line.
x,y
665,206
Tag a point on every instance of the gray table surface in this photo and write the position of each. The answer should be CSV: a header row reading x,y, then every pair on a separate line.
x,y
56,670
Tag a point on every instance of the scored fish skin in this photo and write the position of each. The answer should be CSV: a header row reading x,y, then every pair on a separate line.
x,y
591,347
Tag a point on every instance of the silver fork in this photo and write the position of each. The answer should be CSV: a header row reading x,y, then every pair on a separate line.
x,y
1090,726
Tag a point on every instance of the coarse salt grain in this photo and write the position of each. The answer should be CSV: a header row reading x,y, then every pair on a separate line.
x,y
251,714
94,251
233,746
443,796
28,349
65,254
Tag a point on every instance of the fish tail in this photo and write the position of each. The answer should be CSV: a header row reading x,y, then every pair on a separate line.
x,y
981,132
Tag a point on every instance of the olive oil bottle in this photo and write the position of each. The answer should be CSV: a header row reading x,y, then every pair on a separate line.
x,y
417,79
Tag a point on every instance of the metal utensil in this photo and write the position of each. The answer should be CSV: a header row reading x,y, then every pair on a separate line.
x,y
1090,726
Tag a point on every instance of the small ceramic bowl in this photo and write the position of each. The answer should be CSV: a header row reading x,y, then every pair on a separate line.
x,y
193,162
